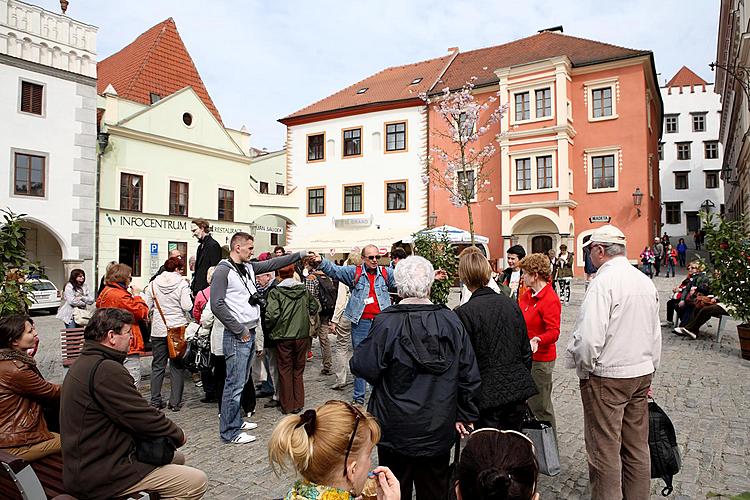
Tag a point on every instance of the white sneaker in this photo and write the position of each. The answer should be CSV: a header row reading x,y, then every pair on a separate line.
x,y
248,426
666,323
689,334
679,330
243,438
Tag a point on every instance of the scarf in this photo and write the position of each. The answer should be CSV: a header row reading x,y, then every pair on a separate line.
x,y
9,354
305,490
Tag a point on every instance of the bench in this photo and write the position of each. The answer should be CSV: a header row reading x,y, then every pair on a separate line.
x,y
40,480
71,344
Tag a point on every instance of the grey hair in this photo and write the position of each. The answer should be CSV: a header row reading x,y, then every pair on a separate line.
x,y
614,249
414,276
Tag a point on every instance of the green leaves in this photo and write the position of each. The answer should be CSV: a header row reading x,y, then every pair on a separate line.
x,y
441,253
15,268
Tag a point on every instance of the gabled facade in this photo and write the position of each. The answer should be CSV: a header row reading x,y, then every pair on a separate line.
x,y
690,154
48,134
169,161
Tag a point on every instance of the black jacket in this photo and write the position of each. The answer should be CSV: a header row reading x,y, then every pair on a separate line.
x,y
208,254
497,331
424,376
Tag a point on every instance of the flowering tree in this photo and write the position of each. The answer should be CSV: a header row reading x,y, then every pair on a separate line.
x,y
457,161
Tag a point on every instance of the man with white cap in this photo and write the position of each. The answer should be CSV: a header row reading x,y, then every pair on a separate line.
x,y
615,348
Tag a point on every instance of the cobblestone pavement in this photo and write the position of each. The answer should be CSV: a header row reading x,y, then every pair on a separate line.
x,y
703,386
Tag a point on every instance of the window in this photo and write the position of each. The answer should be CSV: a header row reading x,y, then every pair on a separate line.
x,y
395,194
226,205
712,180
672,211
699,122
522,106
263,187
601,100
29,175
353,199
131,192
683,150
661,151
681,180
543,103
603,172
523,174
274,239
671,124
464,126
182,247
279,188
316,147
187,119
353,142
395,136
544,172
467,184
711,150
178,198
130,254
32,95
316,204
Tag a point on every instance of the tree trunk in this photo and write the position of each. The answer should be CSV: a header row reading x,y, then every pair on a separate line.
x,y
471,223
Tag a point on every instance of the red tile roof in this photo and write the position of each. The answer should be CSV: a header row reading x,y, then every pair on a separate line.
x,y
393,84
157,61
684,77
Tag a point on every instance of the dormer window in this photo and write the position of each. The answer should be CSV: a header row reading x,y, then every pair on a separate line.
x,y
416,80
154,98
362,90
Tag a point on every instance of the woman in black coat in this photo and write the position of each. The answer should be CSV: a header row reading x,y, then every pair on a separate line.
x,y
497,331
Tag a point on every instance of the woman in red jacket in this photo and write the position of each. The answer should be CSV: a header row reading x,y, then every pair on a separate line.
x,y
117,293
540,306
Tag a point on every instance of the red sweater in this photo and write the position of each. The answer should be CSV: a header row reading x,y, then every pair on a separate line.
x,y
372,309
542,315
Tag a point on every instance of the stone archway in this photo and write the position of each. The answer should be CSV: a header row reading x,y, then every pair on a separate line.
x,y
536,232
45,247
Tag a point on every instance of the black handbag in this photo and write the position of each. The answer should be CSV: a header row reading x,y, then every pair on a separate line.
x,y
156,451
198,355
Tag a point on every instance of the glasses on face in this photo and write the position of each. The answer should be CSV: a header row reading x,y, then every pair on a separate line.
x,y
357,417
371,257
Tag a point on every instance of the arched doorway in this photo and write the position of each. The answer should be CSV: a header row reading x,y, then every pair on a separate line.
x,y
43,249
541,244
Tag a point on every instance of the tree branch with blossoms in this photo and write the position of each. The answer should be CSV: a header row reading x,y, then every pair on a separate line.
x,y
457,162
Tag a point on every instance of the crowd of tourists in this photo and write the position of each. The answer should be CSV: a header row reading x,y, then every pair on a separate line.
x,y
422,376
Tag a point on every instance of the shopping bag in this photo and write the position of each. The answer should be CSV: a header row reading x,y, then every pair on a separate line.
x,y
545,445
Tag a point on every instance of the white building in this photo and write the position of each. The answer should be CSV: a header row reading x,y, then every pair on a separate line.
x,y
268,180
170,159
48,134
690,155
355,161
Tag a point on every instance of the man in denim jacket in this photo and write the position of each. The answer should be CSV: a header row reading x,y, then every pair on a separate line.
x,y
370,295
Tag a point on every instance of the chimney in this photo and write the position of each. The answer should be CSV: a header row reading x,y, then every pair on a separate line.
x,y
452,50
553,28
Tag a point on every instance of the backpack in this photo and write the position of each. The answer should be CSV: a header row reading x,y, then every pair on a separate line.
x,y
327,292
662,443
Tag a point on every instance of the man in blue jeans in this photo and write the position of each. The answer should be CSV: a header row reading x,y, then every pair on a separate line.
x,y
235,302
370,284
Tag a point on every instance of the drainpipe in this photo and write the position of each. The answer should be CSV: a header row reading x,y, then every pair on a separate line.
x,y
102,141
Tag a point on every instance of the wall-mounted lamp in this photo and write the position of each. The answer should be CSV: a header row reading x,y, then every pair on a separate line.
x,y
432,219
637,199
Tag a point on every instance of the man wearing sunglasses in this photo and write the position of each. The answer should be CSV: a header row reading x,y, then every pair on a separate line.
x,y
615,348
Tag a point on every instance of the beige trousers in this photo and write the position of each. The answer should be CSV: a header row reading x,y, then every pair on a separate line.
x,y
173,481
31,452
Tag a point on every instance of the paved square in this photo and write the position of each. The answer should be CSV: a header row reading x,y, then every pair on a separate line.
x,y
704,387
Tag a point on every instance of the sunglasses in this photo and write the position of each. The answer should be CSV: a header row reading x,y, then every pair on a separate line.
x,y
358,415
371,257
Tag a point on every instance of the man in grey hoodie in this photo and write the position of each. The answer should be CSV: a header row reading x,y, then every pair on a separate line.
x,y
234,302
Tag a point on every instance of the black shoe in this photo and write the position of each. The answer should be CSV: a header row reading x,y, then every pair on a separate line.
x,y
160,405
210,399
263,394
271,403
326,371
174,408
296,410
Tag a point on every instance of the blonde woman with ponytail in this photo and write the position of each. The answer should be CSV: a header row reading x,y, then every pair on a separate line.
x,y
330,447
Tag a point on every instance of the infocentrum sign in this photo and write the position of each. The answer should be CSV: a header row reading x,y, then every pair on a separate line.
x,y
181,225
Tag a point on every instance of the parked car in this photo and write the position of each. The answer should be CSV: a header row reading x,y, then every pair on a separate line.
x,y
45,295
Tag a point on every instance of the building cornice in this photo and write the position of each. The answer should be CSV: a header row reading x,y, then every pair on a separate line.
x,y
176,144
47,70
352,111
538,204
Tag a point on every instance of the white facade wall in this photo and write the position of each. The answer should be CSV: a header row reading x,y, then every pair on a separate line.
x,y
336,232
58,53
685,102
271,169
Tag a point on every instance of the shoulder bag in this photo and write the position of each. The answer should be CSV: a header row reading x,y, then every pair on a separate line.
x,y
545,445
157,451
176,343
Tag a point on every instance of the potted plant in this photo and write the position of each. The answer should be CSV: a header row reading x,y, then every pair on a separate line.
x,y
728,247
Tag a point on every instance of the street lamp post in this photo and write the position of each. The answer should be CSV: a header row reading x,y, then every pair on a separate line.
x,y
741,74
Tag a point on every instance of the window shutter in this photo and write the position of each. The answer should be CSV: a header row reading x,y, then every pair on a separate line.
x,y
31,98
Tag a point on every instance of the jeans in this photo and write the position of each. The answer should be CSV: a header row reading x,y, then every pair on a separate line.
x,y
72,324
681,257
133,365
670,268
359,333
239,358
158,365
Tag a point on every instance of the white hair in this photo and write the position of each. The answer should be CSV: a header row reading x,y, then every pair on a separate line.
x,y
414,276
614,249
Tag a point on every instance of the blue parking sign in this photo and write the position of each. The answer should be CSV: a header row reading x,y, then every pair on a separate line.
x,y
154,249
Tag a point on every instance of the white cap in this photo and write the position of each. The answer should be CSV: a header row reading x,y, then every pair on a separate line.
x,y
606,234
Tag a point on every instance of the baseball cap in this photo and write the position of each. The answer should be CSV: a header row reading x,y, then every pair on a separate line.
x,y
606,234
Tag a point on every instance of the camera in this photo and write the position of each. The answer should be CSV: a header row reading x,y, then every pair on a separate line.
x,y
257,299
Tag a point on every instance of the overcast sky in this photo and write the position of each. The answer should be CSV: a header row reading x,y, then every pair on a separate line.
x,y
262,60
